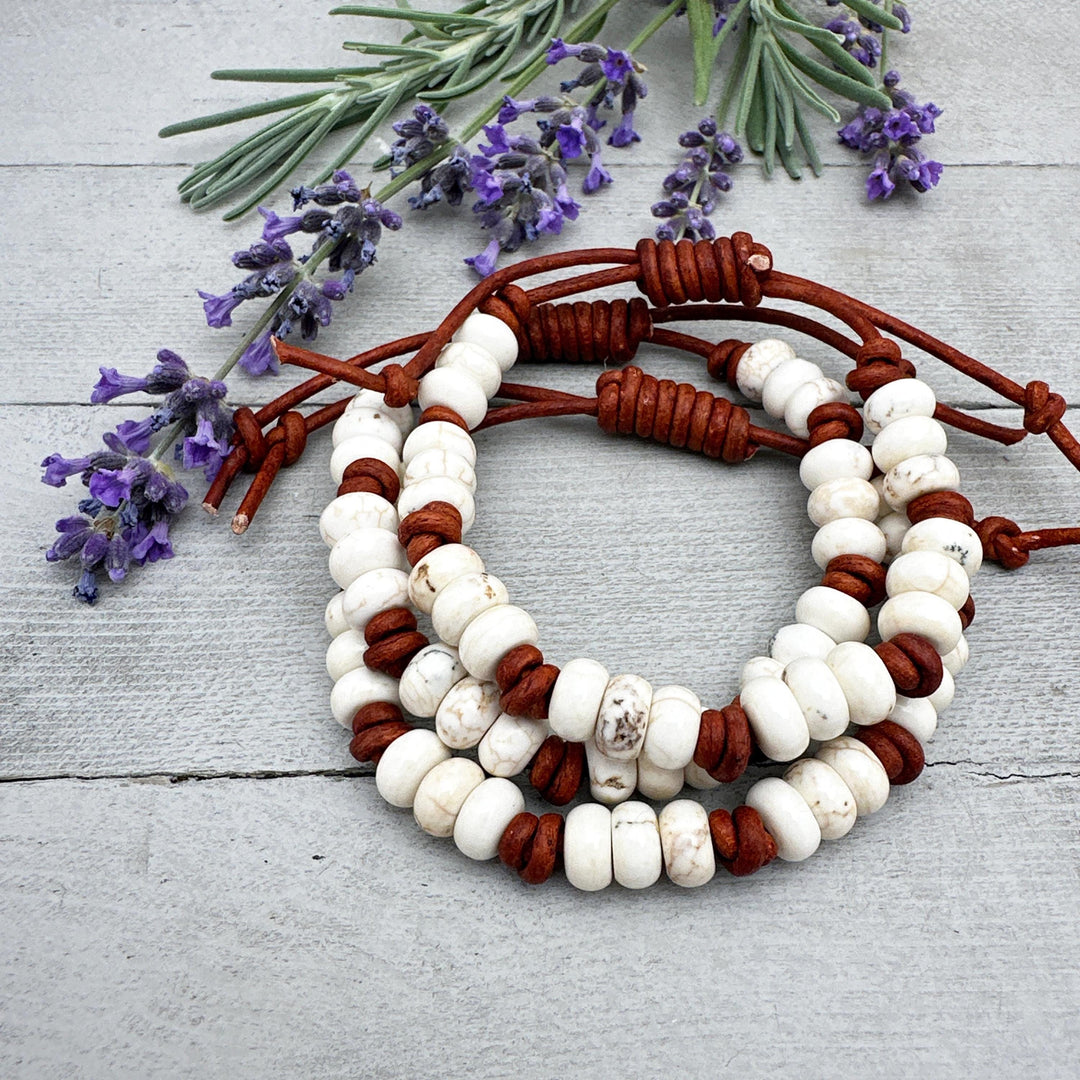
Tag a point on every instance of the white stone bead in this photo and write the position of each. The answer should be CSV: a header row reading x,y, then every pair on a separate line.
x,y
428,677
360,447
894,527
820,696
335,620
921,613
698,778
860,769
956,660
375,591
358,688
371,425
611,781
848,536
672,733
686,842
829,798
624,717
878,483
930,572
942,697
806,399
587,847
437,569
776,718
363,550
758,363
475,361
345,653
759,667
575,699
439,435
916,715
510,743
491,635
441,463
484,815
917,476
466,712
356,510
865,680
402,415
636,856
454,389
783,381
787,817
405,763
952,538
846,497
462,600
896,400
906,438
835,459
438,489
840,616
442,793
656,783
490,333
799,639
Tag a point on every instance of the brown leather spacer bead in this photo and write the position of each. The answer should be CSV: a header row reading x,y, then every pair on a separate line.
x,y
858,576
834,420
710,741
723,361
890,757
530,695
370,474
905,748
546,762
967,612
392,654
442,412
753,846
430,527
996,534
387,623
724,837
943,504
913,663
378,712
738,744
370,743
557,770
514,839
515,663
543,852
865,380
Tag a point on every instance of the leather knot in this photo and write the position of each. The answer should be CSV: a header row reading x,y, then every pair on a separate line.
x,y
587,332
292,432
400,388
729,269
723,361
996,534
876,363
834,420
1042,409
251,437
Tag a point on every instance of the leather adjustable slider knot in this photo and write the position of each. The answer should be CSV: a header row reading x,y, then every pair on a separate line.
x,y
588,332
1042,409
996,534
251,438
400,387
292,433
727,269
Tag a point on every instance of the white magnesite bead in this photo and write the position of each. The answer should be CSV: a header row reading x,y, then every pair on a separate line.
x,y
835,459
916,715
820,696
442,793
942,697
462,600
356,510
464,715
956,661
490,333
439,435
636,857
656,783
346,652
687,843
798,639
672,733
917,476
359,447
405,763
758,363
587,847
441,463
437,569
475,361
575,699
896,400
454,389
931,572
848,536
846,497
510,743
484,815
438,489
335,620
907,438
776,718
371,425
491,635
428,677
894,527
783,381
759,667
362,550
373,592
806,399
358,688
829,798
865,680
788,818
624,717
840,616
860,769
611,780
952,538
921,613
402,415
698,778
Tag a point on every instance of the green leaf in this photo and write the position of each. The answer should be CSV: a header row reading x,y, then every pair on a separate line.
x,y
374,48
768,92
700,16
750,79
799,85
871,11
245,112
411,15
835,81
731,83
807,141
755,123
287,75
825,42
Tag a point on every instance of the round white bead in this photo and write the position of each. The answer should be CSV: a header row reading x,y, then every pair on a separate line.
x,y
428,677
345,653
491,635
865,680
475,361
907,438
405,763
894,527
510,743
375,591
916,715
437,569
952,538
896,400
454,389
466,712
358,448
356,510
820,696
587,847
917,476
860,769
335,620
806,399
921,613
674,720
956,660
930,572
845,497
611,781
758,363
462,600
490,333
835,459
783,381
438,489
698,778
786,815
686,841
840,616
848,536
439,435
759,667
371,425
358,688
829,798
656,783
402,415
575,699
799,639
624,717
442,792
942,697
484,815
363,550
636,857
775,717
441,463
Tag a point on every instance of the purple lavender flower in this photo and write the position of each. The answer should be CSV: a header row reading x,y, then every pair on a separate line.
x,y
134,435
596,176
112,384
275,228
149,543
58,469
418,137
74,532
484,263
204,450
692,188
341,189
865,47
448,180
258,358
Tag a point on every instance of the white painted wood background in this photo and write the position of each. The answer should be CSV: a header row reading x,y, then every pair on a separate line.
x,y
195,880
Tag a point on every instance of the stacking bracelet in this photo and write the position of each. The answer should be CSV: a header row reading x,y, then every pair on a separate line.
x,y
846,719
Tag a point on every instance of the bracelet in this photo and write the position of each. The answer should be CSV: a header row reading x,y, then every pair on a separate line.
x,y
406,499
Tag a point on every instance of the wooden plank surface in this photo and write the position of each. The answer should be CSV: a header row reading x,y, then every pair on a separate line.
x,y
196,879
